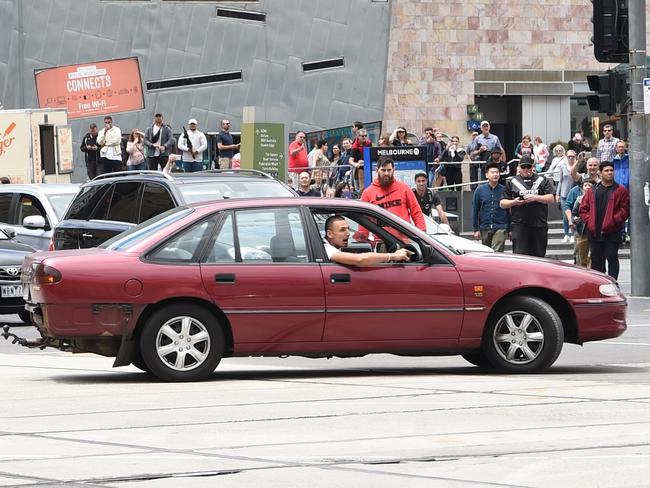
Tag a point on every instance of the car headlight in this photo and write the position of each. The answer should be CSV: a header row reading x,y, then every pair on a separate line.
x,y
609,290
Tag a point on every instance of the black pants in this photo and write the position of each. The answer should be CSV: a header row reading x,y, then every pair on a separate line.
x,y
106,165
154,161
454,176
91,169
606,249
529,240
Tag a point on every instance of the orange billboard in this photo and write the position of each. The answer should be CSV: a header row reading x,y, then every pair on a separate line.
x,y
91,89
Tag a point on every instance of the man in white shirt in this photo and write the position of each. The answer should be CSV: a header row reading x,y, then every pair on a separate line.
x,y
192,157
109,139
337,233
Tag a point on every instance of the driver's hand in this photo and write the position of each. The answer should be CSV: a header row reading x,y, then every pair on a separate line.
x,y
401,255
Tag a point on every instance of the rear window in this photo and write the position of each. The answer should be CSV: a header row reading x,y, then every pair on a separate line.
x,y
86,201
202,191
60,202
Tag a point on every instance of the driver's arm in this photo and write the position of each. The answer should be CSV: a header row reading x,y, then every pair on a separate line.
x,y
367,258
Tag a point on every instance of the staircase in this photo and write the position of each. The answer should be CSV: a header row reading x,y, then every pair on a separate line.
x,y
556,249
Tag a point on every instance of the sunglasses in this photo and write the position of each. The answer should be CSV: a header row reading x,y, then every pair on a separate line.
x,y
607,130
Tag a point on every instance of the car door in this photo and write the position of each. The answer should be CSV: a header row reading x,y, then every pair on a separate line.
x,y
260,272
413,301
29,205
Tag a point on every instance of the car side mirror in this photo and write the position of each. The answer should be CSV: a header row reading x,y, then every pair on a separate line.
x,y
11,233
34,222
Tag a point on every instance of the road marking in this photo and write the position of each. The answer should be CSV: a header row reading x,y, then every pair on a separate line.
x,y
638,325
621,343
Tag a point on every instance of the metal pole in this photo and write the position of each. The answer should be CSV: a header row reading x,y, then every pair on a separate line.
x,y
639,169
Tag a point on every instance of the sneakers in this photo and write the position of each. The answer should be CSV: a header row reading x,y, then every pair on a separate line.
x,y
572,240
565,239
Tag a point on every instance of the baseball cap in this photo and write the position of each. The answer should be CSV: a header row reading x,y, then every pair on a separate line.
x,y
485,122
420,173
191,121
526,160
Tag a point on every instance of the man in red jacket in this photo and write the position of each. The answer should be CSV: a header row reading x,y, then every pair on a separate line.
x,y
393,195
604,210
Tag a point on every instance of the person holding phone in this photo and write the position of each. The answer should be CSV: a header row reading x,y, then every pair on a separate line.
x,y
90,148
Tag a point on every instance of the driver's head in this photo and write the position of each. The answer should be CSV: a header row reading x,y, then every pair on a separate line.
x,y
337,231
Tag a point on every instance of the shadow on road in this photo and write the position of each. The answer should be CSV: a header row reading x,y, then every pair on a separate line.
x,y
117,377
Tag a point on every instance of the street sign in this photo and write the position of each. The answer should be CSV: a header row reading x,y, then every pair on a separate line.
x,y
646,96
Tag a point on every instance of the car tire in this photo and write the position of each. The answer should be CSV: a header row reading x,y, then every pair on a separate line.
x,y
182,342
25,316
139,363
477,358
524,335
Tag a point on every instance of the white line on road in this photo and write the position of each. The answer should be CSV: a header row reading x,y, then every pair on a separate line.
x,y
638,325
621,343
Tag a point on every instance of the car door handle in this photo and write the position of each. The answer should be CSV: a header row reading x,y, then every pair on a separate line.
x,y
87,236
340,278
224,278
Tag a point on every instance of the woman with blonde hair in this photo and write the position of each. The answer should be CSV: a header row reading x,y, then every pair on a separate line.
x,y
135,150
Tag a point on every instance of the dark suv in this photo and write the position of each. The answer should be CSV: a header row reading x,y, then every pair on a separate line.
x,y
115,202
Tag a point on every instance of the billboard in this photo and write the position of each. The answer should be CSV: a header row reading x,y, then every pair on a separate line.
x,y
263,148
91,89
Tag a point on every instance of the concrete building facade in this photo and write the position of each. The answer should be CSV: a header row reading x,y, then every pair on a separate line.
x,y
416,63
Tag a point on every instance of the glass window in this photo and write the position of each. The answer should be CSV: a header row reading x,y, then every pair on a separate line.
x,y
29,206
86,201
184,246
60,202
223,247
271,235
155,200
135,235
5,206
366,230
124,203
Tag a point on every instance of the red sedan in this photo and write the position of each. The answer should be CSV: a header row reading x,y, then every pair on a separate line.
x,y
252,278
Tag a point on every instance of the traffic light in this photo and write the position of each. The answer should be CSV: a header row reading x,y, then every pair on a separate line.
x,y
611,91
611,30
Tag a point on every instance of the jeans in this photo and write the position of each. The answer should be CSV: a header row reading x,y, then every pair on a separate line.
x,y
565,222
605,250
137,167
192,166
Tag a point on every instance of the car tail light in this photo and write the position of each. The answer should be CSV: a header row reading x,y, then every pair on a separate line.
x,y
46,275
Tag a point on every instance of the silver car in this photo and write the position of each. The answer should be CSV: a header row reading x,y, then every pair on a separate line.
x,y
30,212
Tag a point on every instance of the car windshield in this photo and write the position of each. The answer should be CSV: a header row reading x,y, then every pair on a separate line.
x,y
202,191
60,202
3,236
135,235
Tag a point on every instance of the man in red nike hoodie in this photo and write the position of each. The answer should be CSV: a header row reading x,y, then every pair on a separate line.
x,y
393,195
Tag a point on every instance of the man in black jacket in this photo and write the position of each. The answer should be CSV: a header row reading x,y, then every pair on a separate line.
x,y
91,151
159,142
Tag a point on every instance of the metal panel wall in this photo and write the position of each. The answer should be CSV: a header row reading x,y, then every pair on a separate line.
x,y
547,117
177,39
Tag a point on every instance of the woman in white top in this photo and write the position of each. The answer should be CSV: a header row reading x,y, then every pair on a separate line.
x,y
540,152
553,169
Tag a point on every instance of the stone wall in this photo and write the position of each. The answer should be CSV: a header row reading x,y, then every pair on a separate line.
x,y
435,46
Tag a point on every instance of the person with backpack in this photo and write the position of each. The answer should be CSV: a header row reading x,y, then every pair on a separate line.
x,y
427,198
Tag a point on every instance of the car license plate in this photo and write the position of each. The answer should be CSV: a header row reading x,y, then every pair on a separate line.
x,y
10,291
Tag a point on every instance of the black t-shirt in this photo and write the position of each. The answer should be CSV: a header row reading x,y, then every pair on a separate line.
x,y
313,192
532,214
601,197
428,201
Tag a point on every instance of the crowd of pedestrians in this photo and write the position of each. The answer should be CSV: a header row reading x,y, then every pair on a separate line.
x,y
510,198
109,150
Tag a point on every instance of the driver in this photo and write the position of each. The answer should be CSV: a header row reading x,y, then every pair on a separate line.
x,y
337,235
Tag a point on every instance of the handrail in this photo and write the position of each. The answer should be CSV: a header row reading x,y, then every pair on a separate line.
x,y
133,172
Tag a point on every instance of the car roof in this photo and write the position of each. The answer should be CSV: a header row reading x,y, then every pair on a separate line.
x,y
181,178
317,202
46,188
